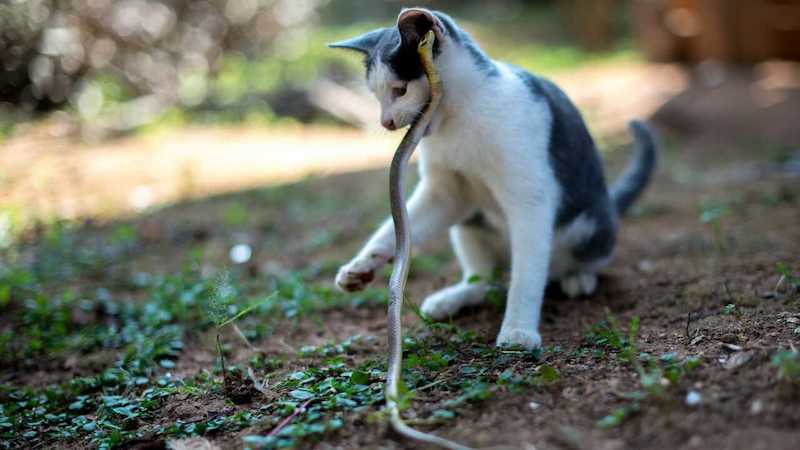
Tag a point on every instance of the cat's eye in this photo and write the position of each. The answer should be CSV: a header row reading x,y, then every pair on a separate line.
x,y
398,92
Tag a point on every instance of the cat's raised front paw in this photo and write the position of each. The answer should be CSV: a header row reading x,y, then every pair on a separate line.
x,y
528,339
357,274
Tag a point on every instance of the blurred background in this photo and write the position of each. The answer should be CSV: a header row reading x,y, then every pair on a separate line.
x,y
116,106
182,179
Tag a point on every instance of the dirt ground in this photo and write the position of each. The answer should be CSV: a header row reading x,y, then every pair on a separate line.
x,y
697,264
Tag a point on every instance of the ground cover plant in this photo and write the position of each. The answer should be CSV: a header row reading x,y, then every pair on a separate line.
x,y
217,319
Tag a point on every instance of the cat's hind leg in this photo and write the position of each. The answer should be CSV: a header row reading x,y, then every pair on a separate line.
x,y
586,246
472,243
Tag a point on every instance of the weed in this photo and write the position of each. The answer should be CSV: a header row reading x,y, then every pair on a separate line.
x,y
712,213
788,275
609,335
788,364
147,335
235,215
655,375
123,235
618,416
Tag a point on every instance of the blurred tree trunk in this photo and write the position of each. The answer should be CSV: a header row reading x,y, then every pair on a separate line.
x,y
741,31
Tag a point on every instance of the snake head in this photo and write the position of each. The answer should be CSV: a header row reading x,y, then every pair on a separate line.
x,y
415,23
426,44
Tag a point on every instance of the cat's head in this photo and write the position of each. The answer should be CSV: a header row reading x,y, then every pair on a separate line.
x,y
394,71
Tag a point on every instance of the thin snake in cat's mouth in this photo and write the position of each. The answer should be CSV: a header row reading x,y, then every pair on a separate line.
x,y
419,127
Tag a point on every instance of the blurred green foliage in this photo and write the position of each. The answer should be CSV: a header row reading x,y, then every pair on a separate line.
x,y
256,66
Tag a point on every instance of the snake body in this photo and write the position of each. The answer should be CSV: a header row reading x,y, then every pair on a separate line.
x,y
397,281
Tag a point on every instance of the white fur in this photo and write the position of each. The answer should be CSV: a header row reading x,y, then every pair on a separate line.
x,y
488,151
402,109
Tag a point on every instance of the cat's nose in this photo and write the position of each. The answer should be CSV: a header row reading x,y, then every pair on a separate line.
x,y
388,124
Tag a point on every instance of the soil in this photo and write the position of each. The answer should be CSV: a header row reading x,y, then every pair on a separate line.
x,y
672,271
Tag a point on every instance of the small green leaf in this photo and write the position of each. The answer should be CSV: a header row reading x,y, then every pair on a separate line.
x,y
301,394
77,405
358,377
691,363
443,414
5,295
126,411
167,363
548,373
614,419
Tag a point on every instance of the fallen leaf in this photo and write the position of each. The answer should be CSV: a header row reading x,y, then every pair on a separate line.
x,y
193,443
737,360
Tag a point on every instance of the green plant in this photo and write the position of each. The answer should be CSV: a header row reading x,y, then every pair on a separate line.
x,y
655,375
788,364
712,213
618,416
788,275
608,335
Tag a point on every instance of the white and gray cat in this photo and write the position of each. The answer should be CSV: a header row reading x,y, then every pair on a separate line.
x,y
507,166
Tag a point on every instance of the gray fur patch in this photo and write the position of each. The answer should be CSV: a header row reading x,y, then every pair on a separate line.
x,y
462,38
578,170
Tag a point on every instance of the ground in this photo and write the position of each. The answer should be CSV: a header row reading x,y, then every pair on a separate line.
x,y
113,330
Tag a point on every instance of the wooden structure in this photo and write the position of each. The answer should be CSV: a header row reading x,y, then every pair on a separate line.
x,y
737,31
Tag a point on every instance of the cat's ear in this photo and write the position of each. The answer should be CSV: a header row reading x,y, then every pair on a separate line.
x,y
413,23
364,43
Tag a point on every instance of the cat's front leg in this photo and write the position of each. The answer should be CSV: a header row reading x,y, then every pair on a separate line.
x,y
530,225
432,208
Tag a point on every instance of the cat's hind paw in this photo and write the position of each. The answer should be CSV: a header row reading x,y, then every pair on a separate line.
x,y
578,285
447,302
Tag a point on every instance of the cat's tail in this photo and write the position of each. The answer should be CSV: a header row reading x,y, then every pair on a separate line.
x,y
627,188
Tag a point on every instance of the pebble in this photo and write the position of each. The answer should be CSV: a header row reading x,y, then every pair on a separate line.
x,y
240,253
646,266
693,398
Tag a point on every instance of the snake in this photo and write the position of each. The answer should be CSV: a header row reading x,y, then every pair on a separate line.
x,y
402,256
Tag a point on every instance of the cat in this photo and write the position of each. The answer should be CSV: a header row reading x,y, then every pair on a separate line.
x,y
507,165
